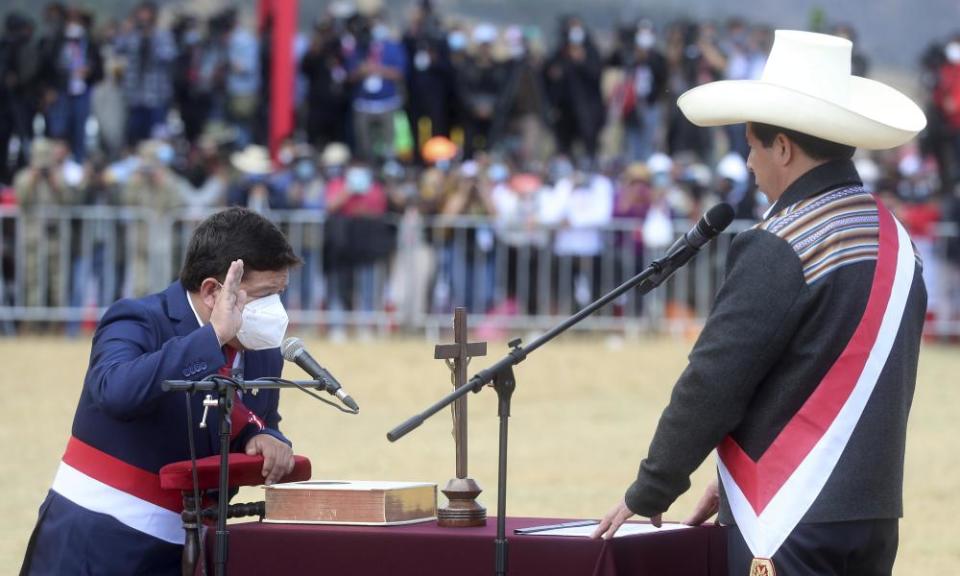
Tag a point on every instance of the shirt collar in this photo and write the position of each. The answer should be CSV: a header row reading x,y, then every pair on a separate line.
x,y
822,178
190,302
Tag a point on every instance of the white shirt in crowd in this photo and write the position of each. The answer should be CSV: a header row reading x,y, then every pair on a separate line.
x,y
581,210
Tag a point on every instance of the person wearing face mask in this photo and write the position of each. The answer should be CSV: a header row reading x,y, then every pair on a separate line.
x,y
328,98
106,512
149,52
638,99
431,79
73,73
356,238
155,189
573,88
375,71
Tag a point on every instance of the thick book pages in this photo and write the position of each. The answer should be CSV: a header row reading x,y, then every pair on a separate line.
x,y
351,502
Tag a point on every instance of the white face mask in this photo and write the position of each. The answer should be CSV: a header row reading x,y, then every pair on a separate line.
x,y
380,33
576,35
645,39
264,323
74,31
953,52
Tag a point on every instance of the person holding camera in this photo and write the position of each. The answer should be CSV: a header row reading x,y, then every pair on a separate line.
x,y
42,186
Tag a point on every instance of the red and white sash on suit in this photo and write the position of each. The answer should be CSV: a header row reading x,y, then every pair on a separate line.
x,y
770,496
103,483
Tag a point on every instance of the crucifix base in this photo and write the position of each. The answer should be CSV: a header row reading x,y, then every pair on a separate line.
x,y
463,510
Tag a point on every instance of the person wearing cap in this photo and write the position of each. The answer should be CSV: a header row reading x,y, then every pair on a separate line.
x,y
334,160
254,188
803,376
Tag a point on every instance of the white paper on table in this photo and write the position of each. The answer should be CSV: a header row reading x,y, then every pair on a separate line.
x,y
628,529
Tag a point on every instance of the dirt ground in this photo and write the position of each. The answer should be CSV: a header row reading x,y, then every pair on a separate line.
x,y
583,415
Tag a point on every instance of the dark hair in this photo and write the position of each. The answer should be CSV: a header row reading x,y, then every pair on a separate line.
x,y
815,148
231,234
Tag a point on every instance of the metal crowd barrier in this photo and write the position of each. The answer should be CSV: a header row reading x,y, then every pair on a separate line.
x,y
64,266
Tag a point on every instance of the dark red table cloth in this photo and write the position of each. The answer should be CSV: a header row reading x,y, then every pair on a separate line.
x,y
426,549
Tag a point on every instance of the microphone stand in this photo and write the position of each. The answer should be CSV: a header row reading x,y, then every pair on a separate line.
x,y
504,382
225,389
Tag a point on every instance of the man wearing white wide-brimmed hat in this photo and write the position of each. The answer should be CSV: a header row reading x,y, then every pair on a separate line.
x,y
803,376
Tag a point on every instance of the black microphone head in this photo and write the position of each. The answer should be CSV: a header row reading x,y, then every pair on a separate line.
x,y
711,224
718,218
291,348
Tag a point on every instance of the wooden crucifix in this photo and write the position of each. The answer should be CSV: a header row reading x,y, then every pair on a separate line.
x,y
462,491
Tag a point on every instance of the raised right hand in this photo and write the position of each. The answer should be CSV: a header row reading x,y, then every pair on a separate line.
x,y
227,312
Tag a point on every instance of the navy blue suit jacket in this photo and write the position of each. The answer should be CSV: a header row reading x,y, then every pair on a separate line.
x,y
124,413
139,344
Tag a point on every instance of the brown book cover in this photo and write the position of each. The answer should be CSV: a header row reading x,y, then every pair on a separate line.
x,y
351,502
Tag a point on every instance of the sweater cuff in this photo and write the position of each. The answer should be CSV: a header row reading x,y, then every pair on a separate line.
x,y
647,497
249,431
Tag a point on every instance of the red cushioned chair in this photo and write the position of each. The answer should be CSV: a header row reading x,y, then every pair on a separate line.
x,y
244,471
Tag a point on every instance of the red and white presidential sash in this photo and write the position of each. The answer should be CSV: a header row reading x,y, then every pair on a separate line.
x,y
102,483
770,496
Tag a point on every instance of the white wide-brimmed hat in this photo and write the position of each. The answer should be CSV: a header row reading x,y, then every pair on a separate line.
x,y
335,154
807,86
253,160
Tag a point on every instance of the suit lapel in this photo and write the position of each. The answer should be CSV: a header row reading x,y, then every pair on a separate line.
x,y
179,310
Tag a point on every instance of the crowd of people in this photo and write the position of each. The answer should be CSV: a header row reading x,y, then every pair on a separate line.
x,y
551,139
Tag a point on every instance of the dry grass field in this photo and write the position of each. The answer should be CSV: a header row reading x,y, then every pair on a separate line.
x,y
583,415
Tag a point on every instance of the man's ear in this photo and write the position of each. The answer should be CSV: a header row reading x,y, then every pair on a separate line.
x,y
783,149
208,292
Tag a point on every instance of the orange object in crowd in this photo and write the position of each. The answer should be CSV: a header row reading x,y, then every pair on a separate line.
x,y
438,148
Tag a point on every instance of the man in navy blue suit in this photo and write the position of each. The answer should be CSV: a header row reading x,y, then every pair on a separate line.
x,y
106,512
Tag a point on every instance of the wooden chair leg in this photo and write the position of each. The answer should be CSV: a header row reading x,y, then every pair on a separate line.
x,y
191,528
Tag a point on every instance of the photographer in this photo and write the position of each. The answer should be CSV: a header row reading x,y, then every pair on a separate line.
x,y
156,189
39,187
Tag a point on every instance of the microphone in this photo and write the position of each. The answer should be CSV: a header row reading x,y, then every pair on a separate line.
x,y
686,247
294,351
